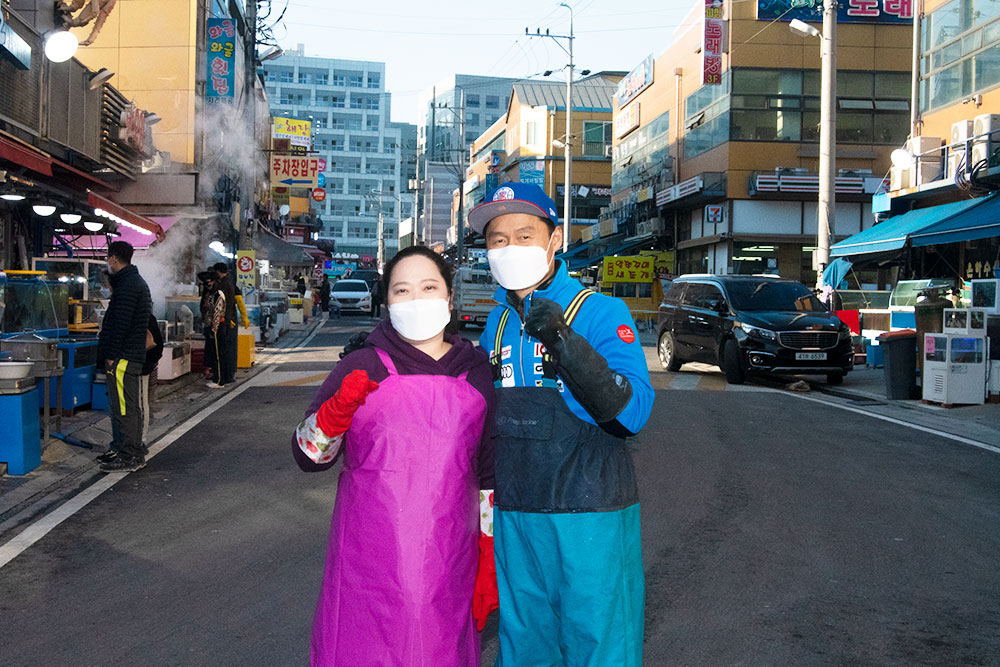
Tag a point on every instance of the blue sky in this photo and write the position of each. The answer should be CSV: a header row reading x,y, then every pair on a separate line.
x,y
423,42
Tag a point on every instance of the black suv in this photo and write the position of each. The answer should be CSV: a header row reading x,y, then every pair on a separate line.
x,y
752,324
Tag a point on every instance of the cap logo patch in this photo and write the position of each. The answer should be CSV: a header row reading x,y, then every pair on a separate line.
x,y
503,194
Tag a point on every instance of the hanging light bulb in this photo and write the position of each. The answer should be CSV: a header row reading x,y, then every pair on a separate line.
x,y
10,196
44,210
70,218
93,226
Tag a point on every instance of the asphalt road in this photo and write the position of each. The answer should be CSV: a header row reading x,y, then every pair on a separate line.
x,y
777,531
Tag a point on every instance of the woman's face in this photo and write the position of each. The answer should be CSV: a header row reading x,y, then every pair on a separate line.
x,y
416,277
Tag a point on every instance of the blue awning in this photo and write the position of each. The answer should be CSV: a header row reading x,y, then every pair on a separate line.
x,y
835,272
894,232
981,221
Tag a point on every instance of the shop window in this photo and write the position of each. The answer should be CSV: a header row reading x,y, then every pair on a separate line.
x,y
854,128
891,129
767,82
892,84
855,84
765,125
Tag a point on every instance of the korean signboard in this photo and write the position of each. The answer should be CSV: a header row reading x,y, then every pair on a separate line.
x,y
848,11
132,126
221,58
13,47
298,132
533,171
636,81
628,269
246,267
294,171
711,50
626,120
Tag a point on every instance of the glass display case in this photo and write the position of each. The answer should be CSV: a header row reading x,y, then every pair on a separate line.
x,y
84,277
28,303
906,293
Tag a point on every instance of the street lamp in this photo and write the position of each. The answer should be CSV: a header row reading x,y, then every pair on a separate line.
x,y
827,130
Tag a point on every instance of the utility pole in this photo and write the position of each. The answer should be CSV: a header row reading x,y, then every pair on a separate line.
x,y
568,145
827,137
460,240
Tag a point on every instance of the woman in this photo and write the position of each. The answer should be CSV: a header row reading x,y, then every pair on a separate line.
x,y
409,410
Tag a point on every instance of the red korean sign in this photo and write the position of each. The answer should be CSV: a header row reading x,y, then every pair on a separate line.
x,y
318,194
711,51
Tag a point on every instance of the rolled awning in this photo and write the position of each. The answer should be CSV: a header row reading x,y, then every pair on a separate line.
x,y
126,217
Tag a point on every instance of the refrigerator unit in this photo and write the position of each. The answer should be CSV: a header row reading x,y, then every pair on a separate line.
x,y
954,368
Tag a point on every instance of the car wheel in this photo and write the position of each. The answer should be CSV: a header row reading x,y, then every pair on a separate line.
x,y
667,351
732,365
835,378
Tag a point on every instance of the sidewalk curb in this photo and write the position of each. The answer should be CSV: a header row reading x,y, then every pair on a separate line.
x,y
19,509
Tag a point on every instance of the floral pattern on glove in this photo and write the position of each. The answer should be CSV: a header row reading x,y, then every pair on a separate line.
x,y
319,447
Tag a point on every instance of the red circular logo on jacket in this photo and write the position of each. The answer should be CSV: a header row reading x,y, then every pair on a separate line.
x,y
626,334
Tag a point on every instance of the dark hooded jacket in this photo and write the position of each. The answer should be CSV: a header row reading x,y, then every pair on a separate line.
x,y
123,332
462,357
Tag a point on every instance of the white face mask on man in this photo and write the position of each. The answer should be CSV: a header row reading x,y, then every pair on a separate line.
x,y
420,319
519,266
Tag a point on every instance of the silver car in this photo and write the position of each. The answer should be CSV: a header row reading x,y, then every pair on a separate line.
x,y
348,294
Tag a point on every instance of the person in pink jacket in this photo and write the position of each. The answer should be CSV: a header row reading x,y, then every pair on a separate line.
x,y
407,413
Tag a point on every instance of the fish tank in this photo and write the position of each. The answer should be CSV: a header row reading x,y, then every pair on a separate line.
x,y
83,277
29,303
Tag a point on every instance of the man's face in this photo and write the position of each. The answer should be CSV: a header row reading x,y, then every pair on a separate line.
x,y
114,264
521,229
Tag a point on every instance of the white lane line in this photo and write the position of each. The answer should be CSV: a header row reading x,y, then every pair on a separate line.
x,y
900,422
40,528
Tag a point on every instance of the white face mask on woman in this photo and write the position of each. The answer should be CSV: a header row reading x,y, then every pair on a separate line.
x,y
519,266
420,319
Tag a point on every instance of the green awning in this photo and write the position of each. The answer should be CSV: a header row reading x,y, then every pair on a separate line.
x,y
893,233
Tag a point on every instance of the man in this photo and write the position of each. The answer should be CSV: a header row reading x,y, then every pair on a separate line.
x,y
154,352
572,385
324,294
213,314
229,336
122,347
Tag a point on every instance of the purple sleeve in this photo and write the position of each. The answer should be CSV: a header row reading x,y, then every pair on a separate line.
x,y
481,377
365,359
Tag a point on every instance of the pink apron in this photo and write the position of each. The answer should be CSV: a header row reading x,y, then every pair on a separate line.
x,y
401,564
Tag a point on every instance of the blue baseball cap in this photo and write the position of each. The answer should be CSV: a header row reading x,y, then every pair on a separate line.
x,y
514,197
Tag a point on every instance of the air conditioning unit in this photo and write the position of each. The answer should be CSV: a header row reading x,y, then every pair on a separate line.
x,y
921,145
608,150
956,161
900,178
986,123
961,131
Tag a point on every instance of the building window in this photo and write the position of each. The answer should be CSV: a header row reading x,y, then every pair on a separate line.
x,y
492,102
959,51
285,77
472,100
337,102
303,77
373,80
339,80
355,81
320,79
596,138
473,119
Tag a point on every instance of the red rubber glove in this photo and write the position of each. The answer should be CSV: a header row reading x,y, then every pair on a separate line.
x,y
334,416
485,597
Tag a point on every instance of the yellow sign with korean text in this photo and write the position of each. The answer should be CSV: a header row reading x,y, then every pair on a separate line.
x,y
628,270
294,171
298,132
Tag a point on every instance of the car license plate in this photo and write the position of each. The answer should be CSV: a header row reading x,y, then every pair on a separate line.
x,y
810,356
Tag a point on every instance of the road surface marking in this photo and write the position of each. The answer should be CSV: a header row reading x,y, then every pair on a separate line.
x,y
298,382
42,526
900,422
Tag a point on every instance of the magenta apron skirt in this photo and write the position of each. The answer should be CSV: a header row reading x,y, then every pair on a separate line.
x,y
401,564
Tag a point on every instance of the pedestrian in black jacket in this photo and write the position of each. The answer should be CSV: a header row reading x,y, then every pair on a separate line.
x,y
122,347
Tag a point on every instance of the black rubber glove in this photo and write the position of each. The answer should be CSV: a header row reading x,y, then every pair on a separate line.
x,y
601,391
356,342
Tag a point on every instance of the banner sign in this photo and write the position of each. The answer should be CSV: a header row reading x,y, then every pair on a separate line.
x,y
849,11
132,126
246,267
533,171
711,50
221,61
628,269
13,47
626,120
294,171
636,81
298,132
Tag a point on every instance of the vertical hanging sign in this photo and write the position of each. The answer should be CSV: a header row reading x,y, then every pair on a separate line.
x,y
221,47
711,52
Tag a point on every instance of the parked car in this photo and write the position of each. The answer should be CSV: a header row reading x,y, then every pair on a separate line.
x,y
370,276
348,294
752,325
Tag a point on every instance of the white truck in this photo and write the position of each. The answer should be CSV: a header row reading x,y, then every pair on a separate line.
x,y
474,288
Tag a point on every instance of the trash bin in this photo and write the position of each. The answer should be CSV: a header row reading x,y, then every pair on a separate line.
x,y
899,352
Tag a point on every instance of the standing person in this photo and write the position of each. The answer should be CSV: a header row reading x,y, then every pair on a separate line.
x,y
376,300
409,410
154,351
122,346
213,314
229,347
324,294
300,285
572,385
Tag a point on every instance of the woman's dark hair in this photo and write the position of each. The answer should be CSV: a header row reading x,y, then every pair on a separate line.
x,y
444,268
